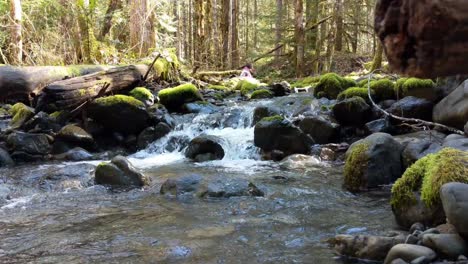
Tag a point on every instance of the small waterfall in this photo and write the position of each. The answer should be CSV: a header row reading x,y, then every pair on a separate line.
x,y
233,124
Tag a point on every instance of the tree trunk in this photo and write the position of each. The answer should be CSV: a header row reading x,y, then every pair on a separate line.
x,y
200,52
114,5
87,37
226,8
300,38
377,61
16,40
425,38
339,25
25,82
255,21
142,35
278,26
235,35
70,93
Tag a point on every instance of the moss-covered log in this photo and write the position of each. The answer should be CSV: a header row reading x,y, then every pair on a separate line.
x,y
70,93
24,82
424,38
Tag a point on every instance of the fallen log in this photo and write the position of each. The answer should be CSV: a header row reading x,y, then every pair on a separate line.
x,y
203,74
27,82
70,93
424,38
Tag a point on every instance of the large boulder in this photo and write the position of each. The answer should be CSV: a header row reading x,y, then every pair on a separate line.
x,y
450,246
152,134
261,112
120,113
352,112
453,109
322,130
409,253
454,198
205,148
413,107
416,195
174,98
277,133
280,89
5,158
27,146
372,162
119,173
373,248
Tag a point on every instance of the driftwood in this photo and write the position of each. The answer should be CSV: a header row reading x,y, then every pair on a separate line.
x,y
70,93
26,82
424,38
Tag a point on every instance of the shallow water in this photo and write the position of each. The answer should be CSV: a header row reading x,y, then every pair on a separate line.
x,y
57,215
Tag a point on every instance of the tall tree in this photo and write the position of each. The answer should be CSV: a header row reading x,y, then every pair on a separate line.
x,y
142,34
235,34
339,25
87,37
114,5
225,22
16,40
200,34
299,37
278,26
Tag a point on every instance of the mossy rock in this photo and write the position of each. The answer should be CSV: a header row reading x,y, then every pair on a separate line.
x,y
217,87
332,84
167,68
174,98
421,88
272,118
355,92
21,113
355,165
143,94
247,86
427,175
307,81
261,94
384,89
364,83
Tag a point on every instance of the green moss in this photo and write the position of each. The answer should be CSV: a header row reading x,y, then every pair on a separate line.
x,y
406,86
384,89
262,93
246,86
273,118
331,84
307,81
142,94
364,83
399,87
174,98
217,87
167,67
355,165
355,92
118,99
21,113
427,175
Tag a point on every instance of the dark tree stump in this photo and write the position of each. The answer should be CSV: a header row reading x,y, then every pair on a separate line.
x,y
424,38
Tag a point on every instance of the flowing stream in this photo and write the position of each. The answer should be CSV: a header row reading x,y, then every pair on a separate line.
x,y
53,213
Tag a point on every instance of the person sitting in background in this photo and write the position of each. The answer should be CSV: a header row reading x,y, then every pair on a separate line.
x,y
247,71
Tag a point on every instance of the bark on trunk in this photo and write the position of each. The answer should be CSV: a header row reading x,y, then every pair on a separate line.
x,y
16,40
424,38
70,93
300,38
26,82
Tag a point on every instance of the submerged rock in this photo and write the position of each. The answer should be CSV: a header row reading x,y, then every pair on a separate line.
x,y
372,162
454,198
41,122
180,186
75,154
119,172
409,253
201,108
5,158
299,161
205,148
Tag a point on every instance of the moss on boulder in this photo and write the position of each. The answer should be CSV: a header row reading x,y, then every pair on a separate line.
x,y
143,94
355,92
421,88
166,67
21,113
427,175
174,98
307,81
247,86
217,87
272,118
261,94
331,84
384,89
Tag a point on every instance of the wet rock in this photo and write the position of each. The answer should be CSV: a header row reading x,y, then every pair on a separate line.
x,y
416,227
321,130
181,186
205,148
372,162
409,253
280,89
230,187
174,98
412,107
294,105
366,247
454,198
277,133
75,154
261,112
120,113
447,245
456,141
299,161
27,144
382,125
418,212
466,129
143,94
20,114
177,143
419,144
159,114
75,135
151,134
119,172
41,122
5,158
453,109
200,108
399,261
352,112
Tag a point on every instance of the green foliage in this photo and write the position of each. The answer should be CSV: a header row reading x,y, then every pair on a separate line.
x,y
427,175
262,93
331,84
355,166
217,87
167,66
118,99
272,118
142,94
384,89
174,98
355,92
